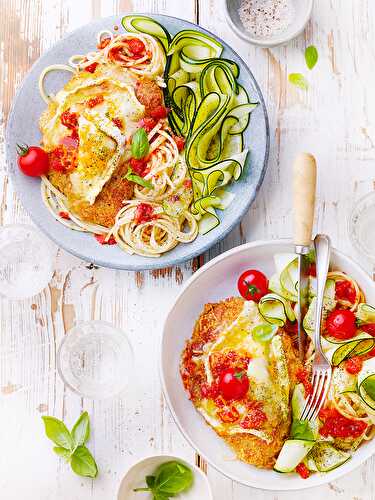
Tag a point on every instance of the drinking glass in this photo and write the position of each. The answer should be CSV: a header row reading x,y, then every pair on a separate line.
x,y
26,261
95,359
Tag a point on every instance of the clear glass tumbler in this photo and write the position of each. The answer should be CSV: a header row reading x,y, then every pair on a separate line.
x,y
361,226
26,261
95,360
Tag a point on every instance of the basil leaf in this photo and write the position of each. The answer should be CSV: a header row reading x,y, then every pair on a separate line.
x,y
81,430
140,145
301,430
150,481
172,478
131,176
83,462
62,452
298,80
311,56
57,432
264,333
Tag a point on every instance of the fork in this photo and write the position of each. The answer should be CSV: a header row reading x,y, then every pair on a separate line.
x,y
321,368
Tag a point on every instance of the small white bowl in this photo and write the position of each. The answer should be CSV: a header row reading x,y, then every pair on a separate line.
x,y
303,10
135,478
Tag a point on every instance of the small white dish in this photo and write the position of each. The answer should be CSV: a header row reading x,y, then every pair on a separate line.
x,y
212,283
303,9
135,478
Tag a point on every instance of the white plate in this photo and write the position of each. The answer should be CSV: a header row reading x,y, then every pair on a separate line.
x,y
213,282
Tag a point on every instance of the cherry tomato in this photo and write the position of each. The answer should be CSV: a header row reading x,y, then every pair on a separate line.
x,y
159,112
302,470
341,324
33,161
345,291
252,285
354,365
233,384
136,46
369,328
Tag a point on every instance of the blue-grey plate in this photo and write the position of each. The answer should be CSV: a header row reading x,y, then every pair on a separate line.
x,y
23,128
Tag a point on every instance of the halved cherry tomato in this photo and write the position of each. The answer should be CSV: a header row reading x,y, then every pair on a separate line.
x,y
354,365
369,328
233,384
345,291
33,161
252,285
341,324
159,112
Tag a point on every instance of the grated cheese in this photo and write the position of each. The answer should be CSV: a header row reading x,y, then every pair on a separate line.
x,y
266,18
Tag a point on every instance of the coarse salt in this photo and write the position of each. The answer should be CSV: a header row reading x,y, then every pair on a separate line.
x,y
266,18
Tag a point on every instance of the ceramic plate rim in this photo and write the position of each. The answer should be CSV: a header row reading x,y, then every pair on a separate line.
x,y
323,479
170,259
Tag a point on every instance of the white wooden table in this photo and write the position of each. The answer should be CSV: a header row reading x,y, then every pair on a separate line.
x,y
334,120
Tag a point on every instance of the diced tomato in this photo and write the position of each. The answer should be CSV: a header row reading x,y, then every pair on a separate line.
x,y
254,419
101,238
118,122
91,67
354,365
159,112
147,123
180,142
229,414
104,42
144,213
187,183
69,120
94,101
63,159
64,215
338,426
345,291
304,378
369,328
136,46
70,141
209,391
139,167
312,269
302,470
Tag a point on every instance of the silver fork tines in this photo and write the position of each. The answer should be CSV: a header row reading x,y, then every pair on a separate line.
x,y
321,368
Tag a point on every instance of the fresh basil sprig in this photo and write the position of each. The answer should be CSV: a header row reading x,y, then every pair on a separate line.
x,y
71,445
170,479
140,145
131,176
311,56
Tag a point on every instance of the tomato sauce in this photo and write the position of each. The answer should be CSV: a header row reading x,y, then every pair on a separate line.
x,y
302,470
63,159
101,238
91,67
223,361
255,417
338,426
304,378
69,120
95,101
118,122
144,213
